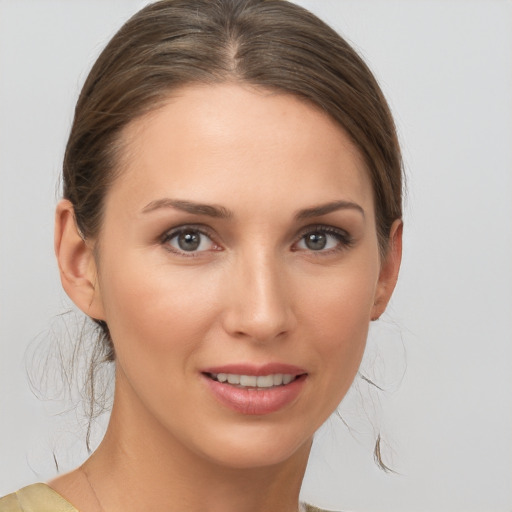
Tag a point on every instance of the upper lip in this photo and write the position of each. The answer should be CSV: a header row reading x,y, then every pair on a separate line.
x,y
256,370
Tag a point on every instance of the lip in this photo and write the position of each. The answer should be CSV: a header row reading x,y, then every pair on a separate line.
x,y
255,370
251,401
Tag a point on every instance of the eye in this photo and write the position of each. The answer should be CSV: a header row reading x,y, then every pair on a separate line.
x,y
188,240
323,239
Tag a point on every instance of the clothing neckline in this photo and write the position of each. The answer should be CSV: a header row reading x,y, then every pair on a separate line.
x,y
32,492
53,491
31,495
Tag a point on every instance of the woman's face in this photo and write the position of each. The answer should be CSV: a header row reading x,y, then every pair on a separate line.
x,y
237,269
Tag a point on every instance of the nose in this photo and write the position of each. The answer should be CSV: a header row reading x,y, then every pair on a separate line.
x,y
260,300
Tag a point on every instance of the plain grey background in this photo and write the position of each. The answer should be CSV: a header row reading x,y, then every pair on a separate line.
x,y
446,68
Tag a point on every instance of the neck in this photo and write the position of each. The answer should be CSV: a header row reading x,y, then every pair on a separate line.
x,y
140,466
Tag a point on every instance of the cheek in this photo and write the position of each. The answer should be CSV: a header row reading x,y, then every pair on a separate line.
x,y
154,309
341,300
338,314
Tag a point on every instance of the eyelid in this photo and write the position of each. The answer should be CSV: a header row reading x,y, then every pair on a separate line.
x,y
171,232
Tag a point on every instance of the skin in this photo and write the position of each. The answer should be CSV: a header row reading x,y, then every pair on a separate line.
x,y
254,292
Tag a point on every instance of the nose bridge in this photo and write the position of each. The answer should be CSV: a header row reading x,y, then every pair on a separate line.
x,y
260,307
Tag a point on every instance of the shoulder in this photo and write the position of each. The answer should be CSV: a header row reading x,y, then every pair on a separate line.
x,y
306,508
35,498
10,503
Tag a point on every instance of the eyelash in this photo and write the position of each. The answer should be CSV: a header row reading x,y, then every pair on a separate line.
x,y
173,233
343,238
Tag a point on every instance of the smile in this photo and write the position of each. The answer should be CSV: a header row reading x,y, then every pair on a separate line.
x,y
253,381
255,389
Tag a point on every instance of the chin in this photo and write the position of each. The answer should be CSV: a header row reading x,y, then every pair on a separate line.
x,y
266,447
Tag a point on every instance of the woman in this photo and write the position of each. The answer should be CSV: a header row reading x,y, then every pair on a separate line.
x,y
232,222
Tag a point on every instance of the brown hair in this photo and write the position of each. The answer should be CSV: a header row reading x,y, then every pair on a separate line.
x,y
272,44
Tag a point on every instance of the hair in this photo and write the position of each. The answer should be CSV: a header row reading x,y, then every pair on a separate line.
x,y
270,44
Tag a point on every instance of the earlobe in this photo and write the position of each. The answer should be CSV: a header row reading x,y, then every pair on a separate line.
x,y
389,270
76,262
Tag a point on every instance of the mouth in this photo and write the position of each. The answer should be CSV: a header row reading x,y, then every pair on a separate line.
x,y
255,390
253,381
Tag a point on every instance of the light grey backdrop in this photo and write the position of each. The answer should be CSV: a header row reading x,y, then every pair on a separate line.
x,y
446,67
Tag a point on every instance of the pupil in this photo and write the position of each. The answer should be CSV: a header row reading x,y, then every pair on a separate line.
x,y
189,241
316,241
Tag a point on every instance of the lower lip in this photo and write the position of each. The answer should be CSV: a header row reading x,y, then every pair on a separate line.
x,y
254,401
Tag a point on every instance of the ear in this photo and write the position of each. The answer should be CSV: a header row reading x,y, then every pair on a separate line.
x,y
76,261
388,270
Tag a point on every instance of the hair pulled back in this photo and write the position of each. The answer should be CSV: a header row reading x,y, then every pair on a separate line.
x,y
272,44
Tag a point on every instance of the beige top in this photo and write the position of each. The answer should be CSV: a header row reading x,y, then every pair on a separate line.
x,y
41,498
35,498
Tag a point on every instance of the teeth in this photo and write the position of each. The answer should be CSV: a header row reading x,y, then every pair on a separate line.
x,y
287,379
248,381
265,381
278,379
251,381
233,379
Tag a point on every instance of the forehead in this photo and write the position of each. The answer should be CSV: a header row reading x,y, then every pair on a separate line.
x,y
213,143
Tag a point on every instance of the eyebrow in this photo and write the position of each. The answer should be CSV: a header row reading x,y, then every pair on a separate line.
x,y
324,209
190,207
220,212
